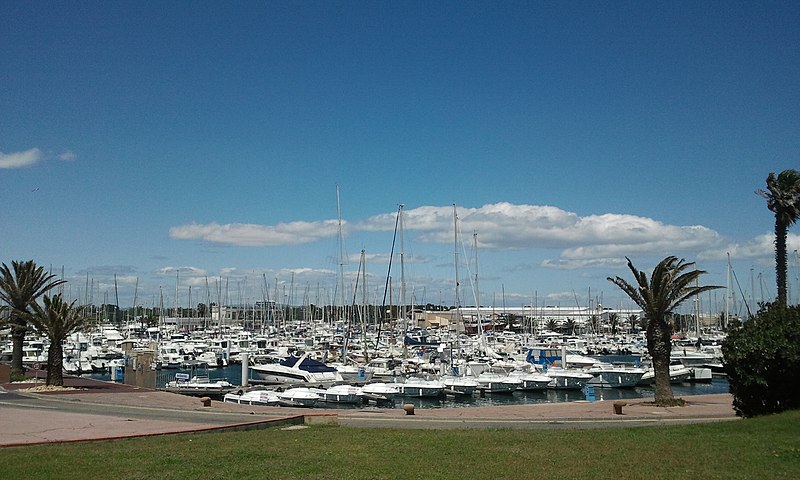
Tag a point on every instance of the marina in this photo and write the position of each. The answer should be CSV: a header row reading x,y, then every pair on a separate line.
x,y
233,376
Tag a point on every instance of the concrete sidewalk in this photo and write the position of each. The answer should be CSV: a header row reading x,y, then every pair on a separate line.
x,y
118,411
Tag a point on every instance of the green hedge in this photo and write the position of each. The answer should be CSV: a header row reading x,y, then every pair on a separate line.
x,y
762,360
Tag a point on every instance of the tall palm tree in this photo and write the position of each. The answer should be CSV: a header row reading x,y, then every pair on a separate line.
x,y
783,199
20,289
670,284
633,319
551,325
613,321
569,326
58,320
594,323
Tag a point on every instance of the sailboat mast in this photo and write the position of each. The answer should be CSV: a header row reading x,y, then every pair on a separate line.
x,y
727,293
403,312
477,291
456,300
341,246
177,280
135,297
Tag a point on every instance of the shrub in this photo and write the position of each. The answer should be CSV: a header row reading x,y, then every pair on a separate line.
x,y
762,360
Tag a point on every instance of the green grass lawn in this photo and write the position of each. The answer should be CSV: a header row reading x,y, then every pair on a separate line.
x,y
766,447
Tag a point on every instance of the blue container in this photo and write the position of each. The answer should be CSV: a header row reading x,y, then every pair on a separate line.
x,y
589,392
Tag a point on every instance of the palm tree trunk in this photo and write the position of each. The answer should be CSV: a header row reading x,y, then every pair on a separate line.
x,y
18,330
780,260
55,364
660,351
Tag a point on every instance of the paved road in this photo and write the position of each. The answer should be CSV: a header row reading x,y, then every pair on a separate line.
x,y
103,413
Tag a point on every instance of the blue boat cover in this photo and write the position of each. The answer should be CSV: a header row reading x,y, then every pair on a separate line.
x,y
308,365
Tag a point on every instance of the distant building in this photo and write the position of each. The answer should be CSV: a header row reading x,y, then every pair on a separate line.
x,y
501,315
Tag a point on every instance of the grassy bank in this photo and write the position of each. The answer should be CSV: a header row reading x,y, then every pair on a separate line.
x,y
756,448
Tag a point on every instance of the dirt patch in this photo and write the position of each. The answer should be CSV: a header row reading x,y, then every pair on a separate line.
x,y
48,389
679,402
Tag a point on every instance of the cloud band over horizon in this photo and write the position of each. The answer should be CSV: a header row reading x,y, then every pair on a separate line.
x,y
588,241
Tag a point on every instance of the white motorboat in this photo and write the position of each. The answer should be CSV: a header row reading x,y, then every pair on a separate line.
x,y
253,397
614,376
302,396
418,387
199,386
384,368
567,378
353,373
677,374
531,381
692,357
212,359
489,382
380,391
170,356
457,385
342,394
296,370
700,375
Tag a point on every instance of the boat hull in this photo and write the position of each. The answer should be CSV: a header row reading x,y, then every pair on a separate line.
x,y
615,379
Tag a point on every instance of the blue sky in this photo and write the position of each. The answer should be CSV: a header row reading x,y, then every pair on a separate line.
x,y
138,138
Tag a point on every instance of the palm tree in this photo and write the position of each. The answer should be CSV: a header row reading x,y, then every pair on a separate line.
x,y
58,320
569,326
783,199
613,320
19,290
669,285
633,319
594,324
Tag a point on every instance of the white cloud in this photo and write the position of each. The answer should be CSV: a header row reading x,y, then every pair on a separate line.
x,y
559,297
67,156
127,279
626,235
593,241
21,159
574,264
761,247
251,235
183,271
508,226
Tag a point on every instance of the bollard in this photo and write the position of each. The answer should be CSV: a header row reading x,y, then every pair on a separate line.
x,y
618,407
409,408
245,366
205,401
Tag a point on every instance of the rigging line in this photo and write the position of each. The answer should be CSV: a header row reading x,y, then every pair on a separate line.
x,y
389,272
741,292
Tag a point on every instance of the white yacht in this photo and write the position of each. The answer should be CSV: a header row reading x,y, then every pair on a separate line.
x,y
531,381
170,356
567,378
419,387
380,391
614,376
253,397
341,394
199,386
457,385
677,374
301,396
497,383
296,370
